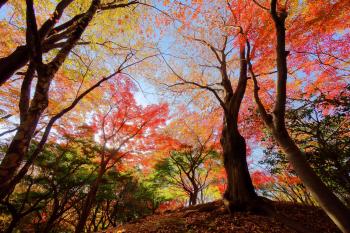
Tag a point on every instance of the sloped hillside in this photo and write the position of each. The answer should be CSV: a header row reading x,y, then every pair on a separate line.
x,y
213,217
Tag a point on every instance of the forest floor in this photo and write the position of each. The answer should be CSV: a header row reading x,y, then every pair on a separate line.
x,y
213,217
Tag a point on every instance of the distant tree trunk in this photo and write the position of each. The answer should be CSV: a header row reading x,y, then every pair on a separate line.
x,y
50,223
90,199
193,198
53,217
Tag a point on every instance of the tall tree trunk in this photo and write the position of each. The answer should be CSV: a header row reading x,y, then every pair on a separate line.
x,y
20,143
334,208
240,190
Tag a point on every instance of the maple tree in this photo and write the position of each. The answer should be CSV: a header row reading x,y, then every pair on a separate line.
x,y
240,191
191,162
124,128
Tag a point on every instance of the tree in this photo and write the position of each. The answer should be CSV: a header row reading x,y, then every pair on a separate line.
x,y
320,127
189,170
31,110
216,78
124,128
276,123
52,188
50,37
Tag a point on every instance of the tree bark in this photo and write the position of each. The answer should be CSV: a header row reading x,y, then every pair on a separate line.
x,y
53,217
193,198
240,190
19,145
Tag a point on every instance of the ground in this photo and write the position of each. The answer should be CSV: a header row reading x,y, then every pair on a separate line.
x,y
213,217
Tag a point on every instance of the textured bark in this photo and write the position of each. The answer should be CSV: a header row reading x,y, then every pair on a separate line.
x,y
240,190
19,145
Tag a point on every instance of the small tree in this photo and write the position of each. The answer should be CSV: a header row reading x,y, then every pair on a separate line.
x,y
188,170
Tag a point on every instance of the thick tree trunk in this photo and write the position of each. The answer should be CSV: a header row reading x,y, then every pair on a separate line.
x,y
240,191
20,143
334,208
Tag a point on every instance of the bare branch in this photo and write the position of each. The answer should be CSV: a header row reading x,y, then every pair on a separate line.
x,y
195,84
260,5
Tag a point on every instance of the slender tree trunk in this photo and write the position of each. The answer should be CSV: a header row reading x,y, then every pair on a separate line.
x,y
334,208
89,201
240,190
50,223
